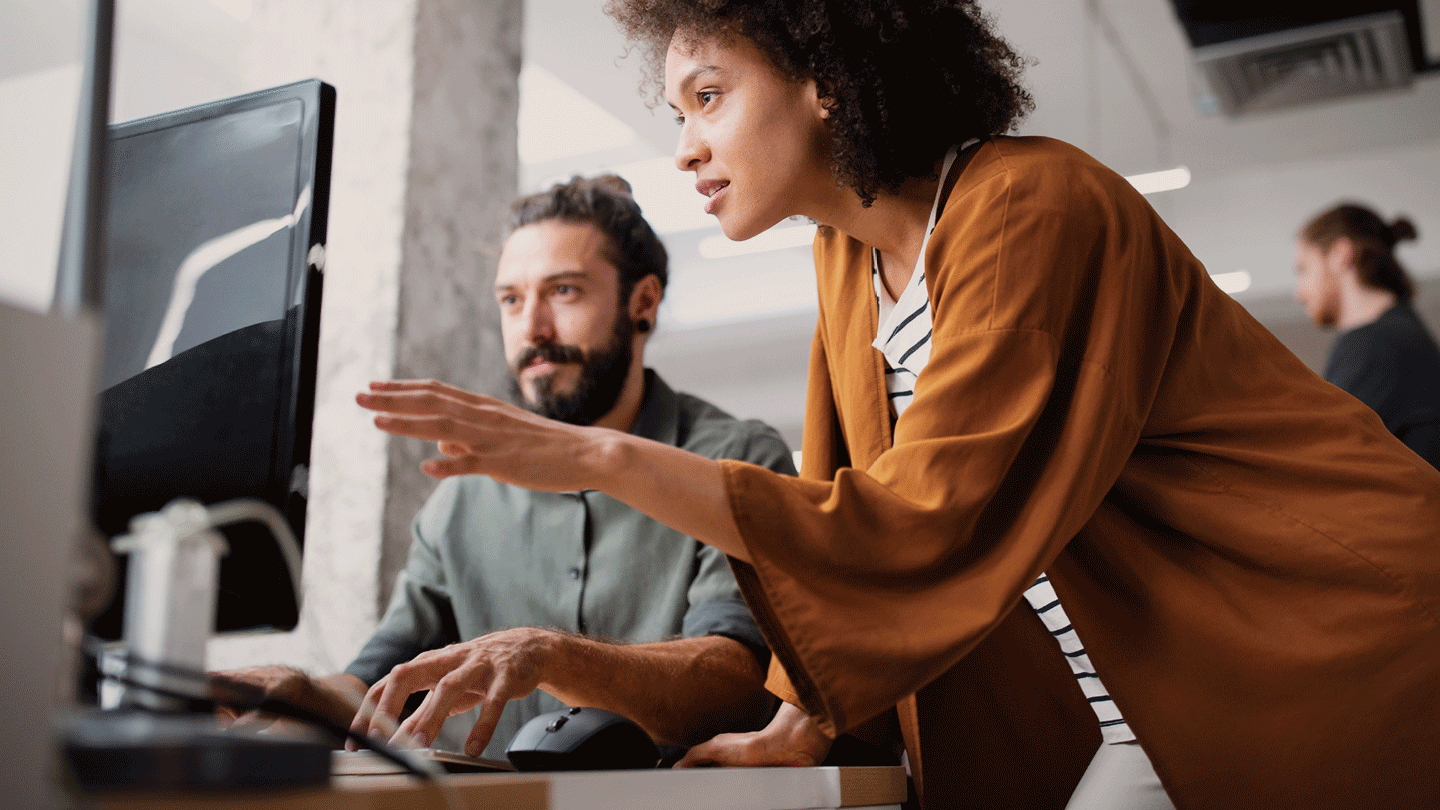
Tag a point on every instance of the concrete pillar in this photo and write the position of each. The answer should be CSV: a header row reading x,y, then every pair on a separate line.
x,y
425,162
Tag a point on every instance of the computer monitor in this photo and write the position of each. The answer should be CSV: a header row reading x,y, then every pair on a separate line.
x,y
213,260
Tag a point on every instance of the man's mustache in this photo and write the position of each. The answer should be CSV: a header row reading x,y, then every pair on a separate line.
x,y
550,353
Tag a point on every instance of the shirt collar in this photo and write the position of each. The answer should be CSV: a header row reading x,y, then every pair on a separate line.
x,y
659,416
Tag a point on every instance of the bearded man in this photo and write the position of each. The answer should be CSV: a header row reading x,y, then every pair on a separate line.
x,y
514,602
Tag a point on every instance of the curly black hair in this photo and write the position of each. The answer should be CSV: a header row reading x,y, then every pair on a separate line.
x,y
903,79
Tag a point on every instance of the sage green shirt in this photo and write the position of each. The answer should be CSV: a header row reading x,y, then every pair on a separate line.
x,y
487,556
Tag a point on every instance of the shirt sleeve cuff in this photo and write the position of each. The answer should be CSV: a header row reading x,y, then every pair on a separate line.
x,y
379,655
729,618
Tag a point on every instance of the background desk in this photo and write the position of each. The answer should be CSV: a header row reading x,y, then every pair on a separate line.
x,y
874,788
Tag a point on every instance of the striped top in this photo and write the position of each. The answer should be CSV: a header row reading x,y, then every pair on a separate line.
x,y
904,340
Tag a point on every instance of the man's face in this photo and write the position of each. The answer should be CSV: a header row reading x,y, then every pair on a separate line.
x,y
1316,286
567,336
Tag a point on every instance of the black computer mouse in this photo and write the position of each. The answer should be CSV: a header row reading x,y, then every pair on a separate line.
x,y
581,739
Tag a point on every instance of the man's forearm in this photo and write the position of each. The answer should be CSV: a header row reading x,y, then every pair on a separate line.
x,y
681,691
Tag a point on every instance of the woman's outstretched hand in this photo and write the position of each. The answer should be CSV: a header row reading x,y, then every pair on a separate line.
x,y
791,739
479,434
484,436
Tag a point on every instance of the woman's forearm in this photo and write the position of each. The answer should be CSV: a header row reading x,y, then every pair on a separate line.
x,y
481,435
679,489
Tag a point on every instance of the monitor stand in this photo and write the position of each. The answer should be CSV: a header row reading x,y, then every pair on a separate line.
x,y
129,749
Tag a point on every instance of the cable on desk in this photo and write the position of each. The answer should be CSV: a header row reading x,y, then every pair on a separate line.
x,y
243,697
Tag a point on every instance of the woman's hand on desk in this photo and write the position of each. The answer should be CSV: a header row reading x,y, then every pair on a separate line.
x,y
791,739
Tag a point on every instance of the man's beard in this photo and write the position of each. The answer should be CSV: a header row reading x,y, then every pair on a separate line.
x,y
1325,316
597,389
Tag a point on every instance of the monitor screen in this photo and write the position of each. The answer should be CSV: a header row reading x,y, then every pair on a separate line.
x,y
212,297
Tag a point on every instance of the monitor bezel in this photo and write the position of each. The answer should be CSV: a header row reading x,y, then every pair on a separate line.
x,y
287,488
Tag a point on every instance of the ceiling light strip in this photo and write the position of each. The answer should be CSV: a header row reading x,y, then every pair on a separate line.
x,y
1167,180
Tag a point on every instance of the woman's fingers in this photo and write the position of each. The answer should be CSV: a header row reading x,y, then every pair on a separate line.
x,y
420,406
480,435
453,449
734,750
442,427
791,739
447,467
424,395
455,424
433,386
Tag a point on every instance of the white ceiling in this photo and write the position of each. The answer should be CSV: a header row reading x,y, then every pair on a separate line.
x,y
1083,93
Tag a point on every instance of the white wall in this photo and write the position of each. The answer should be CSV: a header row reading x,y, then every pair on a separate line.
x,y
35,151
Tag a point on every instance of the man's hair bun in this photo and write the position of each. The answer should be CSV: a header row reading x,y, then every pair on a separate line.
x,y
1402,230
613,183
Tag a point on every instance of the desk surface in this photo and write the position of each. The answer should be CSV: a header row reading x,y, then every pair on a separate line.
x,y
691,789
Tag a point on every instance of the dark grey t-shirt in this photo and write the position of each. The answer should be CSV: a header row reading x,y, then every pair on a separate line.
x,y
1393,365
487,556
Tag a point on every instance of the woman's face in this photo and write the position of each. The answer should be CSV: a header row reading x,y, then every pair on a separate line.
x,y
755,139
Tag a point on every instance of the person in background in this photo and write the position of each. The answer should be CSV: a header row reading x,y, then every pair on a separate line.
x,y
543,598
1350,280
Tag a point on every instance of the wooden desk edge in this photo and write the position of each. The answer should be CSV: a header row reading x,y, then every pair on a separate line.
x,y
871,785
372,792
859,787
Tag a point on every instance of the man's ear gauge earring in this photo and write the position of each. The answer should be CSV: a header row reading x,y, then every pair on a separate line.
x,y
642,326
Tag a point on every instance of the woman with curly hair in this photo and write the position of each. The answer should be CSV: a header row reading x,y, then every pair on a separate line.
x,y
1068,519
